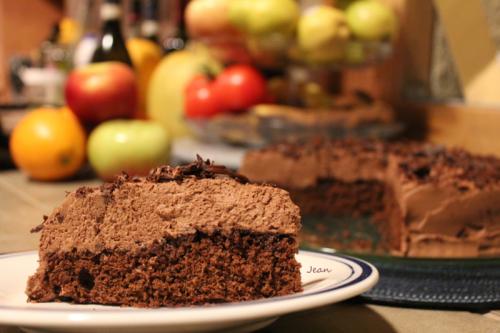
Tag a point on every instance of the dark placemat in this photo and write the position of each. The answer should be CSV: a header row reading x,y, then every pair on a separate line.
x,y
472,284
446,284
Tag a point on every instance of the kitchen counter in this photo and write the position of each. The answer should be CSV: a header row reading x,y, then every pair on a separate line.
x,y
24,202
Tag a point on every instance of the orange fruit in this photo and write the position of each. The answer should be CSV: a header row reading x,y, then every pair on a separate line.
x,y
70,31
145,56
48,144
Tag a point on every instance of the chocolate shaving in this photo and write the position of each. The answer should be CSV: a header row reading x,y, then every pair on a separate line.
x,y
363,97
59,217
199,169
422,172
36,229
462,233
107,189
39,227
136,179
81,192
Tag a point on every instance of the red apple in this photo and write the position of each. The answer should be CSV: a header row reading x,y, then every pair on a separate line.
x,y
102,91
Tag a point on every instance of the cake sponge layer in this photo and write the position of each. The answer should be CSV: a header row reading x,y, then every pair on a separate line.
x,y
191,269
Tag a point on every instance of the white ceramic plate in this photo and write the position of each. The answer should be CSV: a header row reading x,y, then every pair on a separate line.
x,y
326,279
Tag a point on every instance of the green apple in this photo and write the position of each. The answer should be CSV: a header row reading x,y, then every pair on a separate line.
x,y
259,17
238,13
371,20
133,146
323,34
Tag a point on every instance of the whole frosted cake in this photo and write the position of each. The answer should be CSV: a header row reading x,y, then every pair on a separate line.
x,y
423,200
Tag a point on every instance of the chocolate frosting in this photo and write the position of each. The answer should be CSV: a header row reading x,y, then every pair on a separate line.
x,y
130,213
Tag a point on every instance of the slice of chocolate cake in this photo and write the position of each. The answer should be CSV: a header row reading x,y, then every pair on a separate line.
x,y
410,199
188,235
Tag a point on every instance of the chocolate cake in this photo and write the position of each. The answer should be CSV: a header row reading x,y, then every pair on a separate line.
x,y
188,235
421,200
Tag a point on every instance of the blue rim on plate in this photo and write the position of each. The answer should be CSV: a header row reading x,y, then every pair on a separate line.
x,y
366,268
351,277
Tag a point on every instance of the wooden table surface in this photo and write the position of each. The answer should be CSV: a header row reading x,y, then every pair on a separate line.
x,y
23,202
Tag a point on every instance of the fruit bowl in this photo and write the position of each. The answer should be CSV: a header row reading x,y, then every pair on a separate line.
x,y
273,34
300,47
270,123
356,54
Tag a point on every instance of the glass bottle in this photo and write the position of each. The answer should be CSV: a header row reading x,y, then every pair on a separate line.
x,y
111,45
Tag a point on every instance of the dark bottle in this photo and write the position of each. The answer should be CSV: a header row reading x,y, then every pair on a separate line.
x,y
48,46
179,40
150,27
111,45
134,19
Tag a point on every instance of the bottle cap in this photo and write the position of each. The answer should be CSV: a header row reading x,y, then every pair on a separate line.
x,y
149,28
110,11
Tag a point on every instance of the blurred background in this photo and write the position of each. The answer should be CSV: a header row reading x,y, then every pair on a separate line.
x,y
90,88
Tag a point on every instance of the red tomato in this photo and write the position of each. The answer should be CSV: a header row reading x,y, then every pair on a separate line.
x,y
240,87
200,100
